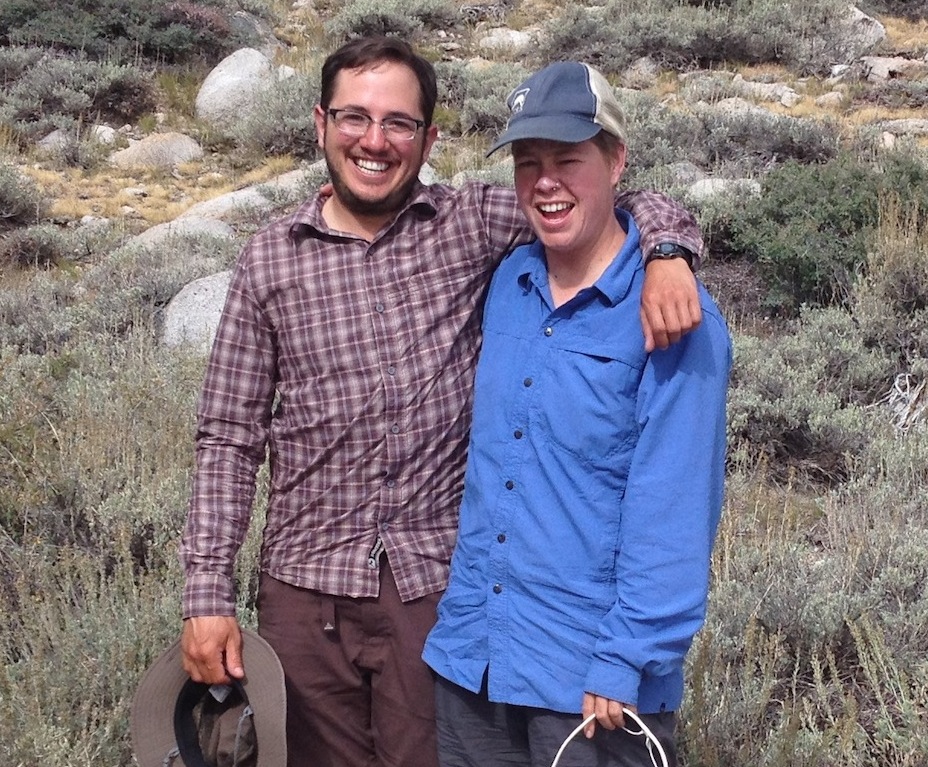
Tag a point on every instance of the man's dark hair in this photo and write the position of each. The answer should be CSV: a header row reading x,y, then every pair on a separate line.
x,y
368,52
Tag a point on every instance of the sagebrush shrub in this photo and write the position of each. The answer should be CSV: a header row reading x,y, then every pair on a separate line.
x,y
36,247
890,302
685,36
813,639
749,142
21,202
799,400
282,122
894,94
123,30
58,91
15,60
486,87
359,18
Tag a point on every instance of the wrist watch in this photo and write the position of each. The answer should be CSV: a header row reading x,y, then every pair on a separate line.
x,y
666,250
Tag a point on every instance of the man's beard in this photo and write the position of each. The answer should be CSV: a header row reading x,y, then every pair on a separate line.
x,y
380,207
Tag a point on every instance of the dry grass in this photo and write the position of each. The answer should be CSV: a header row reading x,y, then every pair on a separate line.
x,y
874,114
453,155
904,36
164,195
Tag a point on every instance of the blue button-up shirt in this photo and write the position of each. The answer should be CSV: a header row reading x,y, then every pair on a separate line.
x,y
592,495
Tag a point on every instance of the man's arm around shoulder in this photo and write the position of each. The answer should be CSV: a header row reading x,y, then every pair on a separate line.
x,y
669,299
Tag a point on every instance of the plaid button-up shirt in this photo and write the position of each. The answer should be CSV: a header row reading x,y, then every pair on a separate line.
x,y
350,364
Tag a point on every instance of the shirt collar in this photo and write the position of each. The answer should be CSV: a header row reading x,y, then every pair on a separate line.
x,y
613,284
422,200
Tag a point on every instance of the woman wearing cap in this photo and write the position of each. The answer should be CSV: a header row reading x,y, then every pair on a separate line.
x,y
594,477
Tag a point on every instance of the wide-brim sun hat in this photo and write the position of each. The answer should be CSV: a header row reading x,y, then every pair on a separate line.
x,y
566,101
165,717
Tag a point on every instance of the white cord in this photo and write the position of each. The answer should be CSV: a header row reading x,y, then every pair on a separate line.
x,y
652,740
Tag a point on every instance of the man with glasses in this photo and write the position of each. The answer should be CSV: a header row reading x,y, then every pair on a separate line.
x,y
346,350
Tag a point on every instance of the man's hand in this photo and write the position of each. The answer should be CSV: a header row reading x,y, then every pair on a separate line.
x,y
669,303
212,649
608,713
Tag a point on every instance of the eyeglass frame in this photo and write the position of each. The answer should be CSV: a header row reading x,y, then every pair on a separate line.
x,y
333,113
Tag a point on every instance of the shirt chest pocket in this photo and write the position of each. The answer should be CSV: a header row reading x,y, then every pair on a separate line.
x,y
586,399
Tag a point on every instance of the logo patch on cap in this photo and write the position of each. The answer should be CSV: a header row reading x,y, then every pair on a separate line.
x,y
518,100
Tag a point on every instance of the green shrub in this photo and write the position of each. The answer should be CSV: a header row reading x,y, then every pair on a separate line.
x,y
810,230
894,94
486,88
812,652
21,202
684,36
15,61
283,121
123,30
750,142
37,247
890,302
798,400
359,18
59,91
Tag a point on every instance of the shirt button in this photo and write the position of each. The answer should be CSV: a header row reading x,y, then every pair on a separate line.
x,y
517,434
501,537
391,483
378,307
497,589
527,382
549,331
395,429
391,370
510,484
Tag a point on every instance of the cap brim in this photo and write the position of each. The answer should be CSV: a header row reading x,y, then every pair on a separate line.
x,y
151,721
570,130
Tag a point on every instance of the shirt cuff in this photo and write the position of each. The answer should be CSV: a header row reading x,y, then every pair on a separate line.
x,y
208,594
614,682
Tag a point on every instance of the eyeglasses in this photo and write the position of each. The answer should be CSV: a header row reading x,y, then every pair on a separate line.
x,y
356,124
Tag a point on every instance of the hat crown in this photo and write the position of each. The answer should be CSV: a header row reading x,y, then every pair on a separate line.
x,y
566,101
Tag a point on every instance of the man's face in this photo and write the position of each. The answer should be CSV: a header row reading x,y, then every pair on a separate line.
x,y
373,174
566,192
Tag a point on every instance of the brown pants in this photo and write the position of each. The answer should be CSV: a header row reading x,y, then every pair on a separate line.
x,y
358,693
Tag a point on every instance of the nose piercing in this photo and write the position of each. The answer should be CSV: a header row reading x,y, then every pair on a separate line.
x,y
555,187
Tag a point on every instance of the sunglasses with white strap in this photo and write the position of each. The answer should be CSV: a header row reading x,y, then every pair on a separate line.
x,y
653,743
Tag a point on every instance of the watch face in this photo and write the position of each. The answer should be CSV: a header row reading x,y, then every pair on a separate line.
x,y
669,249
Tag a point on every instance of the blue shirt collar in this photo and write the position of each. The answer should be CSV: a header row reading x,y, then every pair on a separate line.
x,y
614,283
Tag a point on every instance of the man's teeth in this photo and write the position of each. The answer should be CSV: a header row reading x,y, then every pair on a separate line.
x,y
372,166
553,207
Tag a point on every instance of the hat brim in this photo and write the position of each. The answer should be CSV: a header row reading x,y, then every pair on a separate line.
x,y
570,130
151,721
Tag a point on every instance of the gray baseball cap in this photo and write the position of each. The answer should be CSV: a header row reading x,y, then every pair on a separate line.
x,y
566,101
